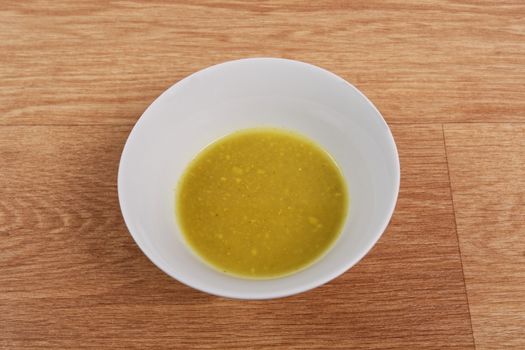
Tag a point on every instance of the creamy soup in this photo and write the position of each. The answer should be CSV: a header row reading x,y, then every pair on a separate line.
x,y
261,203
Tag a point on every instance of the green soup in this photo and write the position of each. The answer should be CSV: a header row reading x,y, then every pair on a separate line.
x,y
261,203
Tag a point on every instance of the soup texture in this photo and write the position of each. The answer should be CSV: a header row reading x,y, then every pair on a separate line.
x,y
261,203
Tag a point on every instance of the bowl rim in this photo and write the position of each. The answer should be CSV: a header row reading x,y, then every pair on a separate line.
x,y
304,287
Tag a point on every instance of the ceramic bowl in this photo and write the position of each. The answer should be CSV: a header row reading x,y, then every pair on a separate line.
x,y
249,93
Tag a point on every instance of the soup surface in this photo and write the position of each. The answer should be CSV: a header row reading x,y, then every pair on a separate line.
x,y
261,203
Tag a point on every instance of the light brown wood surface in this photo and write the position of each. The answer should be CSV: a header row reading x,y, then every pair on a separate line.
x,y
419,61
449,78
490,216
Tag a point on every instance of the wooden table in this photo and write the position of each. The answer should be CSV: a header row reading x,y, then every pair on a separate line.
x,y
449,77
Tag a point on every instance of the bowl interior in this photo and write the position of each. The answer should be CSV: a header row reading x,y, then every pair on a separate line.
x,y
252,93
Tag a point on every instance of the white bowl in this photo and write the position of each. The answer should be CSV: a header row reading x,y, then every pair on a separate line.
x,y
250,93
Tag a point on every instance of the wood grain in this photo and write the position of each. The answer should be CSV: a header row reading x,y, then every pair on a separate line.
x,y
75,76
73,278
104,62
487,172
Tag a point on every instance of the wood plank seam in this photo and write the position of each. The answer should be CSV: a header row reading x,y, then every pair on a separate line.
x,y
457,236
